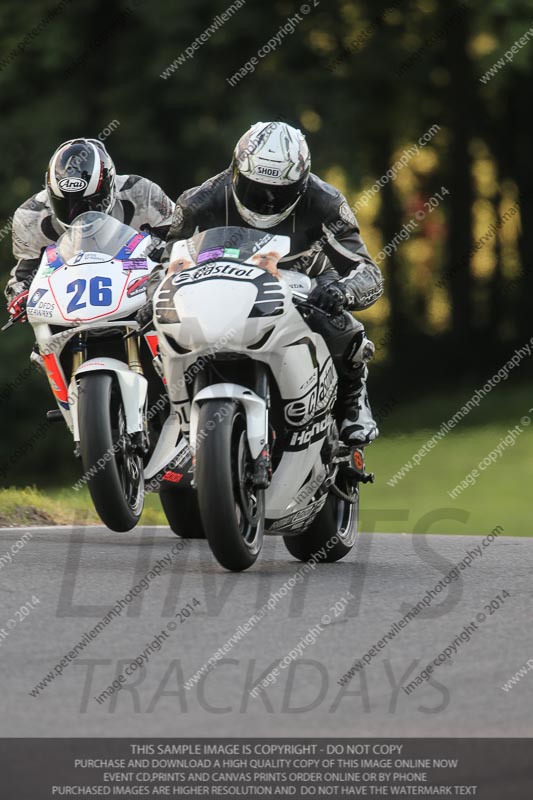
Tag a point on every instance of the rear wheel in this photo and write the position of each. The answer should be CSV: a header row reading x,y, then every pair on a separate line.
x,y
333,533
232,509
114,468
182,512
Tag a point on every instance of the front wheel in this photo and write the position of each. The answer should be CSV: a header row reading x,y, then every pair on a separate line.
x,y
333,533
113,469
232,509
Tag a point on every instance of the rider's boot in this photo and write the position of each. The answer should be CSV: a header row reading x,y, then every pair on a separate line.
x,y
358,427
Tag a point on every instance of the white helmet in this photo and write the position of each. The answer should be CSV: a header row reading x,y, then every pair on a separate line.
x,y
271,165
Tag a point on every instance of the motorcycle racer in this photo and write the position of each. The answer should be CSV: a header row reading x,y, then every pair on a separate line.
x,y
81,176
269,186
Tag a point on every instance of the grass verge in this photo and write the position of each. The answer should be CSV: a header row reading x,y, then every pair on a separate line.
x,y
418,502
29,506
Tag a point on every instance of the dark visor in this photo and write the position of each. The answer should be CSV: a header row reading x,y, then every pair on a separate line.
x,y
264,198
66,209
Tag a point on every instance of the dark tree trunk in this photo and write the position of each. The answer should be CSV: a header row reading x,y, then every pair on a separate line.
x,y
520,128
460,103
496,300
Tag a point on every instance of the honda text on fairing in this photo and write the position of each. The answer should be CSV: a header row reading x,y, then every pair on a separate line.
x,y
252,391
81,303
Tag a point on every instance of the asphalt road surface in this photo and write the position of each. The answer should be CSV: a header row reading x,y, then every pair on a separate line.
x,y
62,581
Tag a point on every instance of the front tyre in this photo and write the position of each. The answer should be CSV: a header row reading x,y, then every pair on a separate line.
x,y
333,533
113,468
232,509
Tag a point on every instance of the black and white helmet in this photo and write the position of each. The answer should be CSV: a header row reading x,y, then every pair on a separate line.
x,y
271,165
80,177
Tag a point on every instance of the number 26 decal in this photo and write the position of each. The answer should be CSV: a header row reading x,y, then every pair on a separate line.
x,y
99,293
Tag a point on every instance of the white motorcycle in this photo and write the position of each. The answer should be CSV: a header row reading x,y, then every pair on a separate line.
x,y
81,303
252,391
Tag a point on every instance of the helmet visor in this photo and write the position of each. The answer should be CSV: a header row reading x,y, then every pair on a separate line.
x,y
264,198
66,209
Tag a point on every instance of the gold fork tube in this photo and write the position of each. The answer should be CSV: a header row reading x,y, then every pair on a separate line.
x,y
77,361
132,350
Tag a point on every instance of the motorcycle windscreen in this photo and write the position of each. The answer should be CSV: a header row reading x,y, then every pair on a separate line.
x,y
245,245
95,233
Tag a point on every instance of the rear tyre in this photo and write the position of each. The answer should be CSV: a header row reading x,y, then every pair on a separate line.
x,y
334,529
182,512
232,509
116,484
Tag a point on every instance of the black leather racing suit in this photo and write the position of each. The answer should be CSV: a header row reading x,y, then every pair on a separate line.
x,y
323,229
325,244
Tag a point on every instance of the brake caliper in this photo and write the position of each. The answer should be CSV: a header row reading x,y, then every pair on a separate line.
x,y
262,471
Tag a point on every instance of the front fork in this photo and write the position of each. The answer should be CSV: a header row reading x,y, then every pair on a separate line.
x,y
262,467
261,471
132,353
79,353
139,440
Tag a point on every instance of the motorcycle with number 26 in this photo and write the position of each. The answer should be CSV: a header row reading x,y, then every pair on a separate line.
x,y
81,306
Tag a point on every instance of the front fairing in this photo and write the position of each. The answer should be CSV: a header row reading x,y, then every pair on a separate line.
x,y
220,281
70,287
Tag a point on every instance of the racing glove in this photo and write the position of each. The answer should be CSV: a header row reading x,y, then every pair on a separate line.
x,y
18,306
145,314
331,296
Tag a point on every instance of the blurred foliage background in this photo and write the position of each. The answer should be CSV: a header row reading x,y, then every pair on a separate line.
x,y
364,80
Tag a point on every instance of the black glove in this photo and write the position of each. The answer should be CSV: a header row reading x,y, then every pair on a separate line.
x,y
331,297
145,314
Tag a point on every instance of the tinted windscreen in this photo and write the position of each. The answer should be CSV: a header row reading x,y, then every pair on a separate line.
x,y
227,243
94,232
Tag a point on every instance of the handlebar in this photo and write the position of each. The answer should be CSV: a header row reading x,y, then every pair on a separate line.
x,y
301,299
301,296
